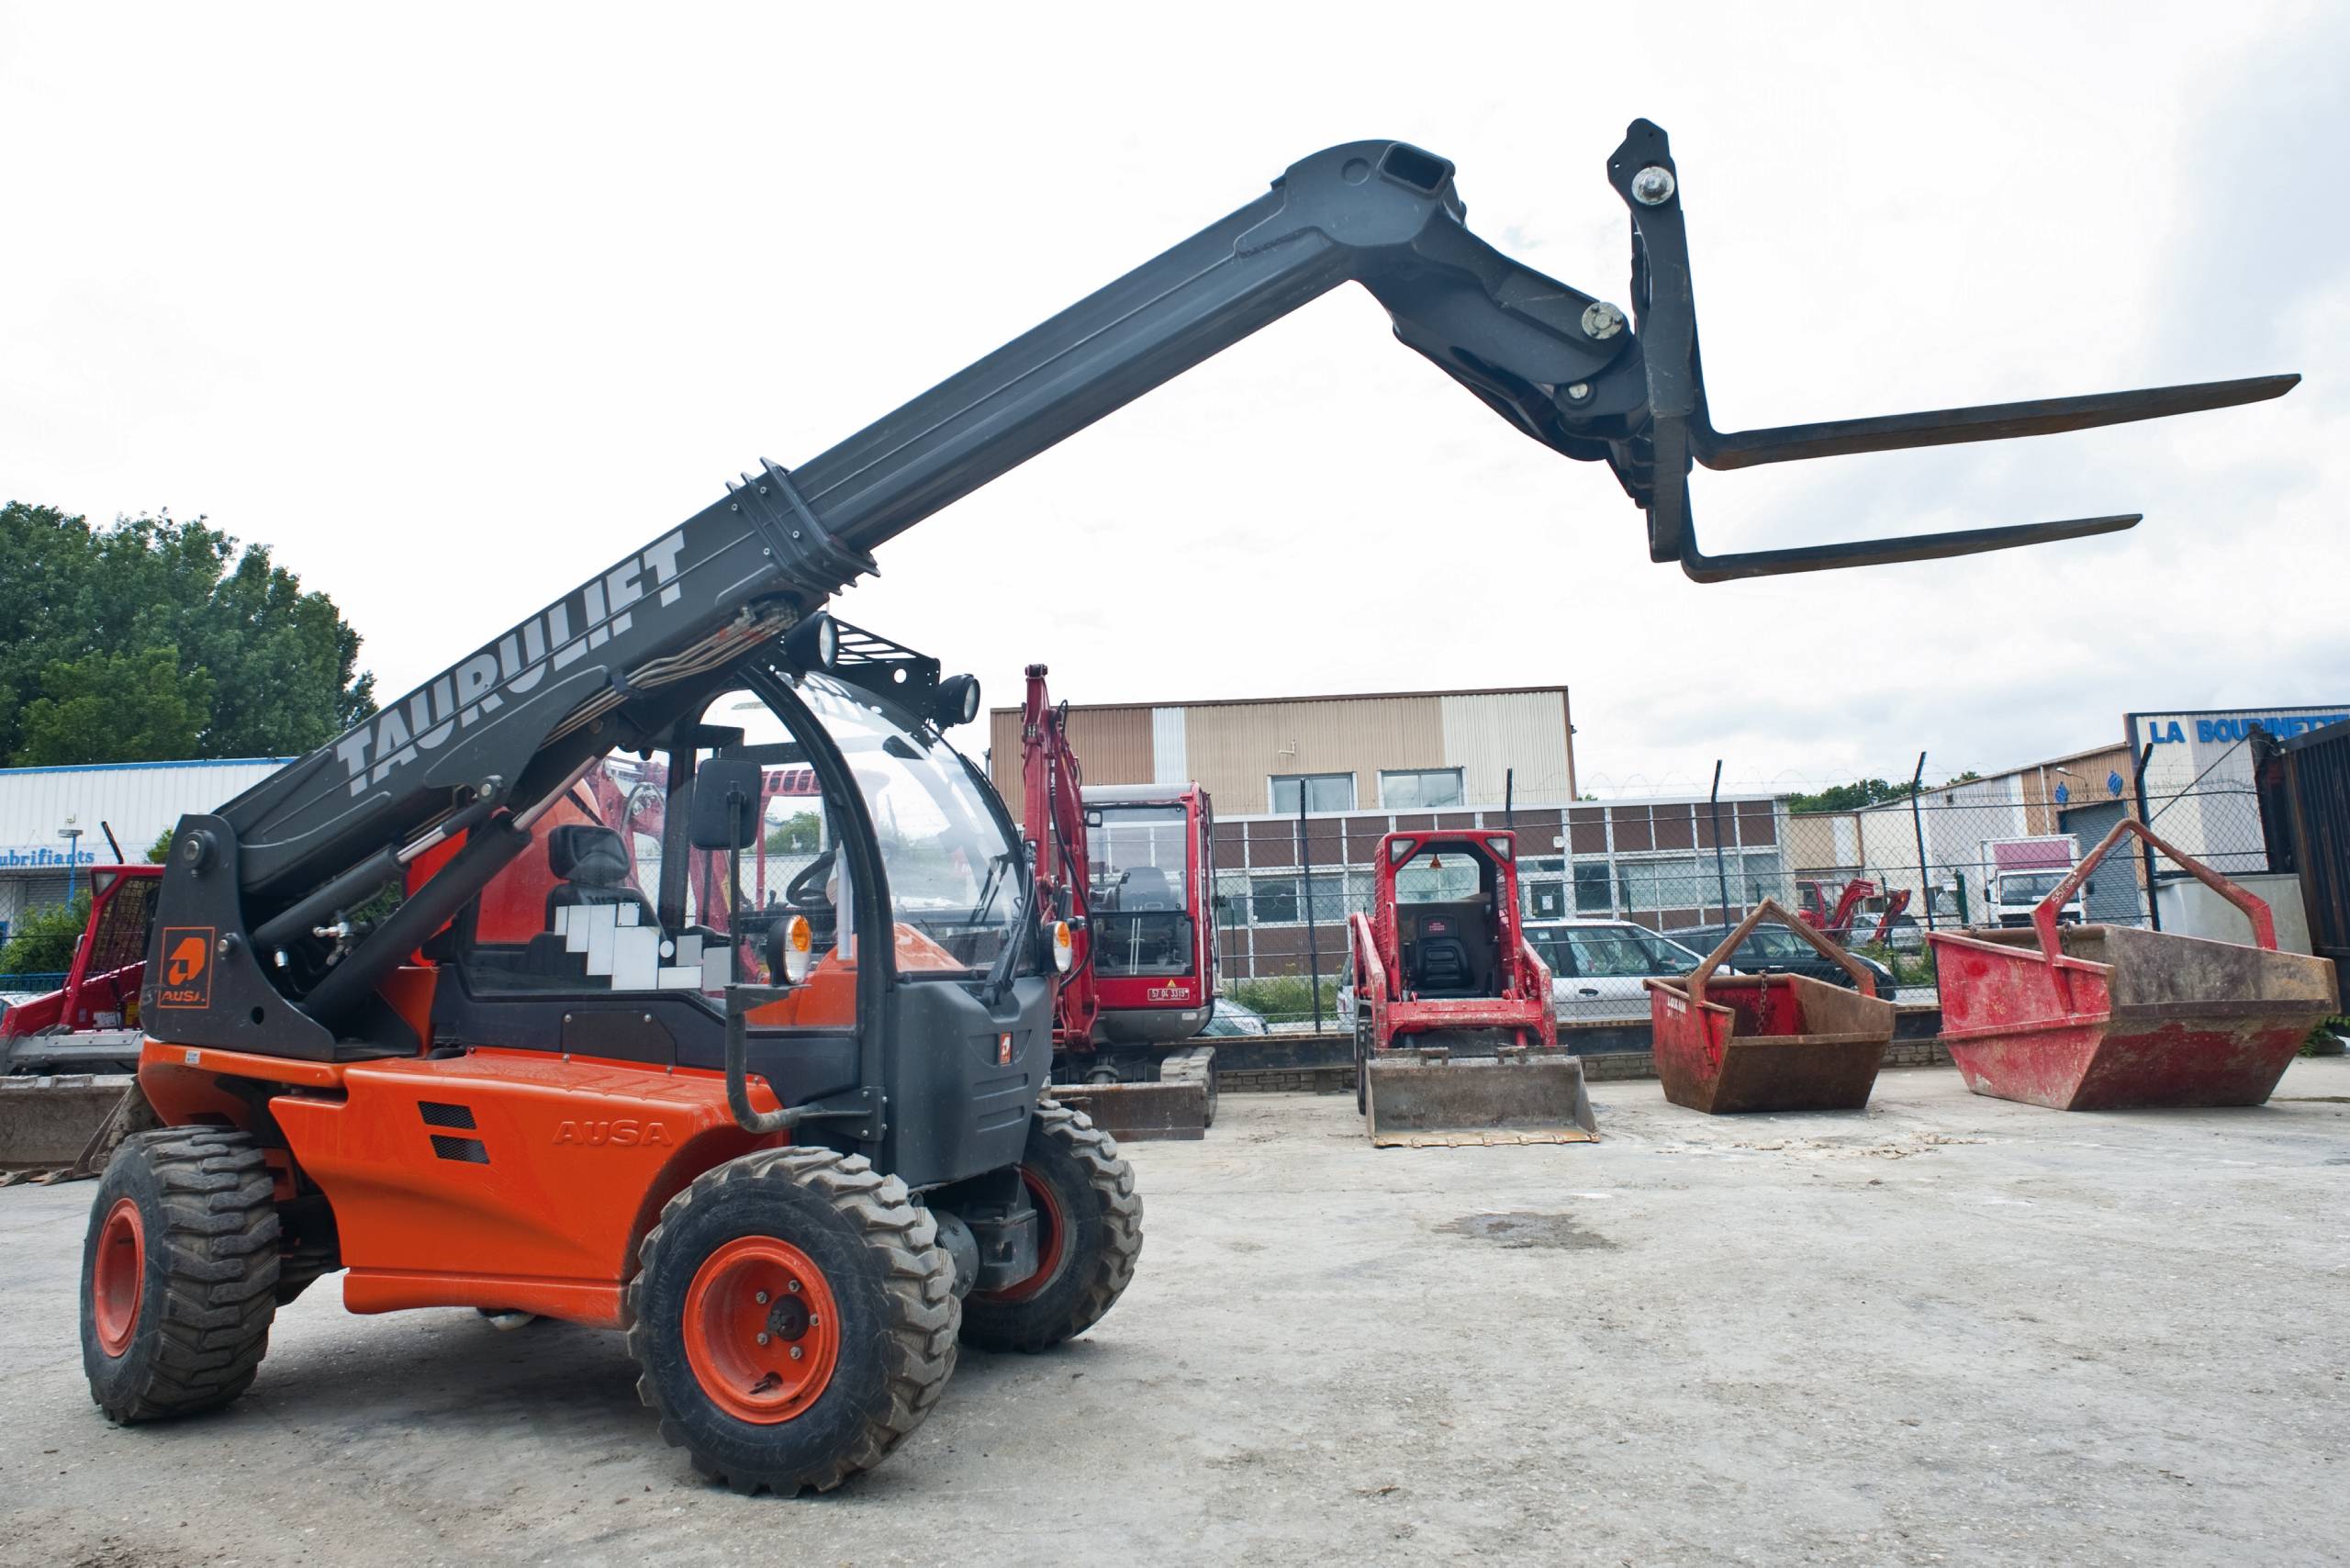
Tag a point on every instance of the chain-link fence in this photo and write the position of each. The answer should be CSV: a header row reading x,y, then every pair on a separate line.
x,y
1612,892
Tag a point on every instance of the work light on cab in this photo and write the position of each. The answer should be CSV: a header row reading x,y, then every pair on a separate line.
x,y
795,948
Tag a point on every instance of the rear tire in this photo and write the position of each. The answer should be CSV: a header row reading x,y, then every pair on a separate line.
x,y
1089,1238
792,1249
179,1273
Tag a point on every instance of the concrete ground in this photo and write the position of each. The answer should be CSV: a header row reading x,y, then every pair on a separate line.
x,y
1945,1330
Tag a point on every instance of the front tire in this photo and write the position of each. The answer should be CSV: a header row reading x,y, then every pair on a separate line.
x,y
1089,1238
179,1273
794,1319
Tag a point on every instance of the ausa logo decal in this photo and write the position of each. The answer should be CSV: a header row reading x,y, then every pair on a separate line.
x,y
625,1133
187,967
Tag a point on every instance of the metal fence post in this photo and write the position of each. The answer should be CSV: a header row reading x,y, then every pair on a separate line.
x,y
1305,892
1918,821
1721,869
2146,850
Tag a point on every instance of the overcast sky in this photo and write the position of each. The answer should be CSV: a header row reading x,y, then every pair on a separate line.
x,y
454,307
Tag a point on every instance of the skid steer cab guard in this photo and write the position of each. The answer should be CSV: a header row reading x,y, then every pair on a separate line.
x,y
2113,1018
1456,1041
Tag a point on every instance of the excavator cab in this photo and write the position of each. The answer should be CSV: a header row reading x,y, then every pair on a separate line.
x,y
1455,1039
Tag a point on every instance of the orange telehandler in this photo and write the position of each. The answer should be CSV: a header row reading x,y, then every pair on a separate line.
x,y
430,1018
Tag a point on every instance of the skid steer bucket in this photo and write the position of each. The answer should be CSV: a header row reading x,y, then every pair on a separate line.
x,y
1426,1099
1141,1112
56,1127
2108,1017
1769,1042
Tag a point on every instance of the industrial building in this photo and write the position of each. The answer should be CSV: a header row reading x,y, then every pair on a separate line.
x,y
54,821
1358,766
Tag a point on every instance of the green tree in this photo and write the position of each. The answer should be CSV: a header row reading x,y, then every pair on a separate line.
x,y
801,833
107,707
1850,796
160,850
1865,792
43,941
158,638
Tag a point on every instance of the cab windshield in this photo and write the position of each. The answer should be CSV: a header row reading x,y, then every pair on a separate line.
x,y
953,872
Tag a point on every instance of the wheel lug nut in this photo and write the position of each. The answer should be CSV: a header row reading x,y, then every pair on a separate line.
x,y
793,1286
761,1298
763,1336
813,1320
795,1352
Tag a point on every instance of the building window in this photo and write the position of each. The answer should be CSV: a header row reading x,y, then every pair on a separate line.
x,y
1544,882
1591,889
1275,900
1231,901
1323,792
1420,788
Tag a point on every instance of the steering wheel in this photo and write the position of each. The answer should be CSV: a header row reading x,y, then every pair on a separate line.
x,y
806,891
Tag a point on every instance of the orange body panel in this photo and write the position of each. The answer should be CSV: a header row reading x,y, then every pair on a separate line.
x,y
539,1205
182,1082
829,999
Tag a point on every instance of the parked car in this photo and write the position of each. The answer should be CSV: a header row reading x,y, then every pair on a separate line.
x,y
1774,949
1596,965
1907,936
1228,1018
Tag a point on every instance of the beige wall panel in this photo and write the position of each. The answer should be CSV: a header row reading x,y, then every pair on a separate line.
x,y
1486,736
1235,748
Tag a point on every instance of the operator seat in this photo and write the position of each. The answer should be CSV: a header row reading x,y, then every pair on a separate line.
x,y
1443,966
590,864
1148,888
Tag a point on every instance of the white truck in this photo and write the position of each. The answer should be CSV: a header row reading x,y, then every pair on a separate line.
x,y
2014,874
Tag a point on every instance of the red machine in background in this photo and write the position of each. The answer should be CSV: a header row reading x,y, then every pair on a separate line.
x,y
66,1057
1841,915
1131,867
1441,969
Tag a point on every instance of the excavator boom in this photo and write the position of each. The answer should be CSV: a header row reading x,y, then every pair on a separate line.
x,y
507,727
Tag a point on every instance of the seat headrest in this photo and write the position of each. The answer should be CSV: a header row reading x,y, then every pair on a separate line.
x,y
587,853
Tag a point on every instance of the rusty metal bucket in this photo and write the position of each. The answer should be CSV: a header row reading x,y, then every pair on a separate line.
x,y
62,1127
1428,1099
1768,1042
2110,1017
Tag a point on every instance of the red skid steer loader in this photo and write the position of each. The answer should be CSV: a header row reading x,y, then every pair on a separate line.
x,y
1456,1041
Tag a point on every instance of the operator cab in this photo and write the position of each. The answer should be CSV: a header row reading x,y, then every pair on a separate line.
x,y
662,877
1450,895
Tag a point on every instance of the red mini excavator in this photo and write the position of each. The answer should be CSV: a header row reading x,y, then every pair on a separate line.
x,y
1130,868
417,1008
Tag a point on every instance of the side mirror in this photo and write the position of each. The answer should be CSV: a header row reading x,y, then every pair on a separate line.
x,y
726,803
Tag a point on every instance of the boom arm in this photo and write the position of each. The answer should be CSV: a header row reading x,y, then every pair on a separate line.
x,y
507,726
1052,787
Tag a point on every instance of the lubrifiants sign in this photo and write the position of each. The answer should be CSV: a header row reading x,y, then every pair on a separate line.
x,y
41,858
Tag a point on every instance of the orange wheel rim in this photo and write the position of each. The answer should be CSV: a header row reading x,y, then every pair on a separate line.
x,y
118,1276
1052,1240
763,1333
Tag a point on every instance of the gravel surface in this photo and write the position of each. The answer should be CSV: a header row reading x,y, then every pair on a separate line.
x,y
1944,1330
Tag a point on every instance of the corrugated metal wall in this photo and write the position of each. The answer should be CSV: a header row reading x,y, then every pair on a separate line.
x,y
1170,755
140,800
1488,734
